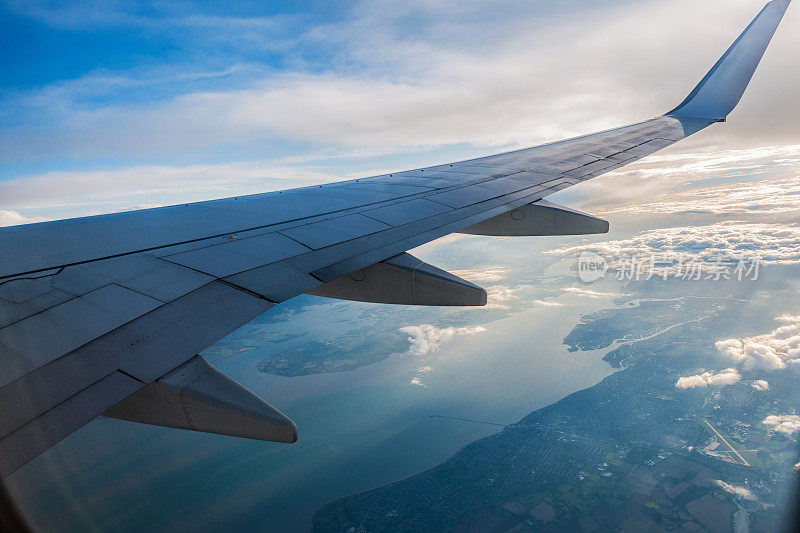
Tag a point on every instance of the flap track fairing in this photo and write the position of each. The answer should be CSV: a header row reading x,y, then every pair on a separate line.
x,y
404,279
539,218
197,396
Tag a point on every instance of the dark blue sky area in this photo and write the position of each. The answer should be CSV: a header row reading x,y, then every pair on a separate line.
x,y
41,43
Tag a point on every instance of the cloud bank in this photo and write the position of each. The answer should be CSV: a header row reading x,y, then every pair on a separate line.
x,y
769,197
11,218
703,248
669,182
776,350
422,82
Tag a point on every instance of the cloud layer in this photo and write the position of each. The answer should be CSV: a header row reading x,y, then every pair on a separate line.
x,y
689,182
708,249
416,82
768,197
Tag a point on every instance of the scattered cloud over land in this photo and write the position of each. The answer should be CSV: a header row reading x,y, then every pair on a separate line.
x,y
786,424
725,377
736,490
776,350
498,295
760,385
426,338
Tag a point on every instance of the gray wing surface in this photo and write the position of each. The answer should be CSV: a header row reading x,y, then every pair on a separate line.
x,y
105,315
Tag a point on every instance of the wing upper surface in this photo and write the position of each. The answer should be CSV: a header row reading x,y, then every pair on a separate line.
x,y
49,245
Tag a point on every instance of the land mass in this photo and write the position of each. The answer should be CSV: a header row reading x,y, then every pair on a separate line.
x,y
632,453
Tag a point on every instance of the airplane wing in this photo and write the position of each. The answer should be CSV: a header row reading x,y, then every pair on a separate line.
x,y
105,314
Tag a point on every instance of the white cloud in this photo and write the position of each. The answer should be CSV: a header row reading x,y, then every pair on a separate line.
x,y
668,182
400,76
483,275
778,349
418,382
500,293
736,490
116,189
545,303
728,376
11,218
786,424
424,369
760,385
769,197
589,293
450,83
426,338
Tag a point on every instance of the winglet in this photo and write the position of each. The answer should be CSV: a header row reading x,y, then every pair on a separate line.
x,y
721,89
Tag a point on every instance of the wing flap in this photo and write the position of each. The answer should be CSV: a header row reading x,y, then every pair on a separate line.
x,y
144,349
42,432
38,340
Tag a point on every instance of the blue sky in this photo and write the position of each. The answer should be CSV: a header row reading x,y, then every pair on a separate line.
x,y
117,105
48,42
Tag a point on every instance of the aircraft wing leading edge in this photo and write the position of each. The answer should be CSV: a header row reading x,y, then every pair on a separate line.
x,y
106,315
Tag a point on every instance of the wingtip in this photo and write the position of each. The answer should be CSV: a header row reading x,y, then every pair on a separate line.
x,y
720,90
784,3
